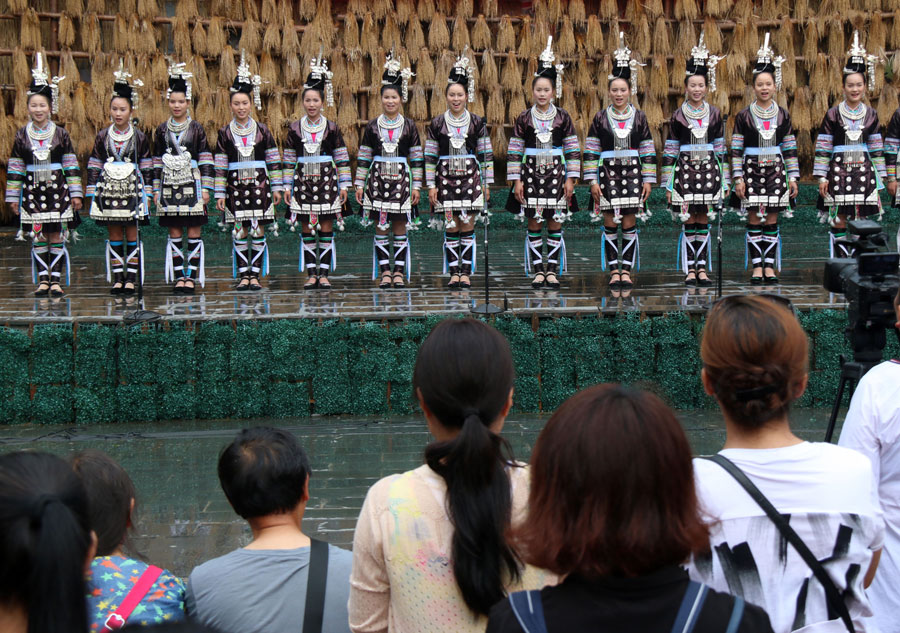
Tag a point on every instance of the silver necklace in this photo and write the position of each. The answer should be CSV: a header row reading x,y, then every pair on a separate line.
x,y
118,142
851,120
460,121
549,115
543,132
701,118
459,131
175,127
621,124
311,144
39,150
854,115
389,144
245,138
763,119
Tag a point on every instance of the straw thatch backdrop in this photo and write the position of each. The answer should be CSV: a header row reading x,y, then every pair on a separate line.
x,y
84,40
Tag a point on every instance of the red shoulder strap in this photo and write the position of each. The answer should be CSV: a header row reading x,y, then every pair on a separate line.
x,y
117,618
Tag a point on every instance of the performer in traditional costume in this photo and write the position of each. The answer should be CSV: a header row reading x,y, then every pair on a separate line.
x,y
891,151
544,161
120,183
695,165
183,182
43,184
850,153
764,167
389,175
620,165
248,179
459,167
316,177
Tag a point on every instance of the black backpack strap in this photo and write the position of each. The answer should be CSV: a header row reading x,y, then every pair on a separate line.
x,y
835,600
528,608
691,605
314,611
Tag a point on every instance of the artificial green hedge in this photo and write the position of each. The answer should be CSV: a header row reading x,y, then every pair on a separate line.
x,y
804,215
81,374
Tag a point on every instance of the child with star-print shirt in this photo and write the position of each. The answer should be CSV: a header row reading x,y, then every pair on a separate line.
x,y
112,577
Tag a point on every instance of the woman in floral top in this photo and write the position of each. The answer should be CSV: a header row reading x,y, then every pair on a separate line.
x,y
113,574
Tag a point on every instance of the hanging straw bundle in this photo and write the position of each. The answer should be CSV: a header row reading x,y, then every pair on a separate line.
x,y
801,117
290,44
811,40
511,78
540,30
583,78
496,108
877,33
609,9
769,10
268,69
565,45
307,9
227,66
418,103
251,37
499,143
415,40
525,47
887,103
121,34
90,33
818,74
181,36
517,103
477,106
679,68
351,34
21,68
30,31
481,34
271,38
658,87
368,39
186,10
381,8
713,35
17,6
356,8
640,39
612,42
425,70
216,38
686,39
437,103
530,70
438,35
66,33
159,73
425,10
356,74
147,9
578,13
97,6
490,77
686,10
201,78
662,38
593,41
742,11
198,39
715,8
506,36
836,47
405,10
460,37
390,34
294,71
895,30
465,9
126,8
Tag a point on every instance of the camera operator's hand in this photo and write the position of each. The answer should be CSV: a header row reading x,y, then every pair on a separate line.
x,y
823,188
892,188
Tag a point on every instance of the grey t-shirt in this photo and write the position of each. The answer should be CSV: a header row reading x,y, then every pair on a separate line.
x,y
265,590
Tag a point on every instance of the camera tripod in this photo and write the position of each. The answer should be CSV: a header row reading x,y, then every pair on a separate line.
x,y
868,345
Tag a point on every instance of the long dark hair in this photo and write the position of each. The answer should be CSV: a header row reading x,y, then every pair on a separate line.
x,y
464,375
110,493
45,539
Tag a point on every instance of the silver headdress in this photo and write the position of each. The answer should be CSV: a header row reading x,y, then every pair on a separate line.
x,y
179,80
625,66
246,82
126,86
463,72
701,62
767,62
547,69
41,84
320,78
395,75
861,62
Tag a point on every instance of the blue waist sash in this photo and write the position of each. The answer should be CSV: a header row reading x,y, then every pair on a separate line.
x,y
313,159
390,159
533,151
621,153
448,157
248,164
49,167
699,147
757,151
850,148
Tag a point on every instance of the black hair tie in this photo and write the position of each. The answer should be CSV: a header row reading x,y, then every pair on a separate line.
x,y
757,393
36,512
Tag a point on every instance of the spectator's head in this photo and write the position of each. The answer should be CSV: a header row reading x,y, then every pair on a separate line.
x,y
46,544
755,356
464,380
263,472
110,494
612,488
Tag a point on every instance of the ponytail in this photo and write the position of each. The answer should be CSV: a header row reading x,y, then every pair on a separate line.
x,y
464,375
45,541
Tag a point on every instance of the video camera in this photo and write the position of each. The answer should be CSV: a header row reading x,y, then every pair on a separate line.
x,y
869,280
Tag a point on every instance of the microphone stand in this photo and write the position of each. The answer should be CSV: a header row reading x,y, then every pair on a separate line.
x,y
140,315
719,229
487,307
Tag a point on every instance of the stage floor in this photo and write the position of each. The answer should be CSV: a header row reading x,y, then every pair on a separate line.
x,y
659,288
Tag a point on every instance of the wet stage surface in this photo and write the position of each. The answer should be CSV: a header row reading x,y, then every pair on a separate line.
x,y
184,518
658,286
